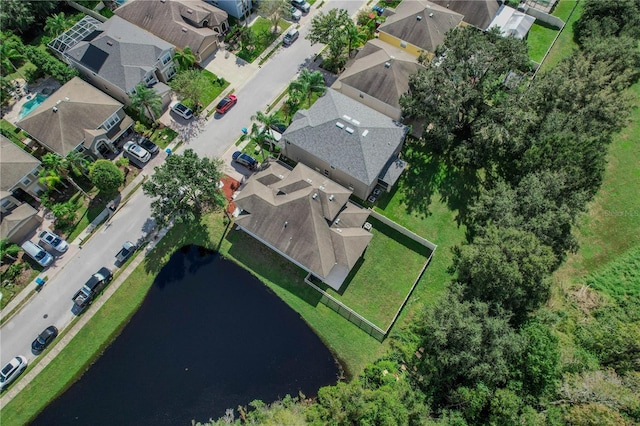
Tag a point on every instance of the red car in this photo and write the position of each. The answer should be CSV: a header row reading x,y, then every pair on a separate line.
x,y
226,104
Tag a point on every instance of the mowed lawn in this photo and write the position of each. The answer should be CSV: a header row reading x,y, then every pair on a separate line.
x,y
565,44
541,35
382,279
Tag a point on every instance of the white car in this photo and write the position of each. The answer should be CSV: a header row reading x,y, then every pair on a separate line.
x,y
53,241
137,152
182,110
12,370
302,5
296,14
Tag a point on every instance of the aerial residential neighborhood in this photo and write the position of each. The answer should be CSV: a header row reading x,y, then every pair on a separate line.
x,y
402,212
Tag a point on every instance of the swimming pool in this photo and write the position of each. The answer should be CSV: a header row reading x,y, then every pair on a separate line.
x,y
30,105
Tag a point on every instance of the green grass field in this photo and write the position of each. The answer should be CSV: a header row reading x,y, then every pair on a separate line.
x,y
565,44
541,35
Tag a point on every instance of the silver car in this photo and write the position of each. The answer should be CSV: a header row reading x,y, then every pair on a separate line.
x,y
53,241
137,152
12,370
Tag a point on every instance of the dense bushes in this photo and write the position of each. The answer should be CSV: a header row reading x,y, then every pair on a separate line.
x,y
50,65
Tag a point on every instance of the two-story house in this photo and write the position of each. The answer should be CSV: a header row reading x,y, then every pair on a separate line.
x,y
19,184
115,56
348,142
478,13
78,117
192,23
239,9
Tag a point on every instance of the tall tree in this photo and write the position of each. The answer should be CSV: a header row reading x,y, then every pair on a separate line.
x,y
355,37
274,10
147,102
63,167
9,55
57,24
106,176
608,19
308,83
268,121
188,85
184,187
184,58
329,28
507,268
21,16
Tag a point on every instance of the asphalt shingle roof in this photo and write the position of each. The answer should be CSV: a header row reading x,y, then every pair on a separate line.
x,y
15,163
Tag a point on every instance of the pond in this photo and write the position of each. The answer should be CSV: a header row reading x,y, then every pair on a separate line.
x,y
208,336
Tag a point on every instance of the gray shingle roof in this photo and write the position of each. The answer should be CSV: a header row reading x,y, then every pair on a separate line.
x,y
370,74
15,163
78,106
421,23
347,134
478,13
302,226
121,54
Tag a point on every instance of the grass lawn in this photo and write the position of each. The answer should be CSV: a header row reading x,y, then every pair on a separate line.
x,y
163,137
539,39
263,35
13,133
87,211
211,91
565,44
376,286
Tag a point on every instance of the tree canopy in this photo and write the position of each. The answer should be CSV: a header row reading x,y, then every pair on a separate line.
x,y
184,187
147,102
106,176
333,28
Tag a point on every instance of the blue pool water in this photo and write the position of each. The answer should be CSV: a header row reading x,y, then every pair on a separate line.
x,y
30,105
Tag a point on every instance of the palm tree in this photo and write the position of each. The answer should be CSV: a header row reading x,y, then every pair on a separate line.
x,y
51,179
57,24
78,163
9,54
184,58
268,121
146,101
61,166
309,83
355,37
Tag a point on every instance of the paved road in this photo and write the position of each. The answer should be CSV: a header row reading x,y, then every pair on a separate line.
x,y
53,304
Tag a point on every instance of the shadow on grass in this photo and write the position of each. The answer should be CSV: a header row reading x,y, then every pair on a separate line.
x,y
255,256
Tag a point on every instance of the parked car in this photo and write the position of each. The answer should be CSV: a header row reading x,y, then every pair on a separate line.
x,y
37,253
11,370
226,103
44,339
296,14
244,159
53,241
137,152
302,5
290,37
127,250
146,143
182,110
83,297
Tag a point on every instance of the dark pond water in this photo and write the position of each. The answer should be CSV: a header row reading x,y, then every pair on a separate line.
x,y
208,337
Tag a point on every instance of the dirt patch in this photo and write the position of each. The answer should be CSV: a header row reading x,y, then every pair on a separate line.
x,y
585,298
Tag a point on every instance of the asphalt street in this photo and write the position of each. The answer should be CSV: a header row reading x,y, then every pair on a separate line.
x,y
52,305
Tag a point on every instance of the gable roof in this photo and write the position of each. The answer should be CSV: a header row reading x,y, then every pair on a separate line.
x,y
512,23
119,52
478,13
15,163
307,218
177,21
78,107
348,135
381,71
421,23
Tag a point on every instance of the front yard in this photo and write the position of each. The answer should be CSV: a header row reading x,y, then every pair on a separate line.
x,y
260,38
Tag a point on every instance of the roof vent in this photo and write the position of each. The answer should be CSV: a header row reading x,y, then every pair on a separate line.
x,y
365,133
346,117
58,101
419,18
109,42
189,11
315,195
339,230
349,130
55,109
332,197
321,188
387,64
184,30
281,176
339,124
309,180
392,57
337,221
67,98
431,15
356,122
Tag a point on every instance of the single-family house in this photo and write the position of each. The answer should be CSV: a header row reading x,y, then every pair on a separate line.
x,y
347,141
378,77
239,9
19,183
305,217
78,117
115,56
512,23
418,26
478,13
192,23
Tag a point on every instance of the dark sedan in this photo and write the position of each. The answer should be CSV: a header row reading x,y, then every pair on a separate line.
x,y
44,339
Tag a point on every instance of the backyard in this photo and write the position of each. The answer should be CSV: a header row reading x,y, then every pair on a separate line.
x,y
541,35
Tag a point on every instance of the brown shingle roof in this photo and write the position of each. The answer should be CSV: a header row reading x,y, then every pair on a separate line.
x,y
60,122
15,164
478,13
177,21
312,225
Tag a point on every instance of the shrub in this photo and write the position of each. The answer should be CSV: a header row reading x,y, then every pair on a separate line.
x,y
106,176
65,213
